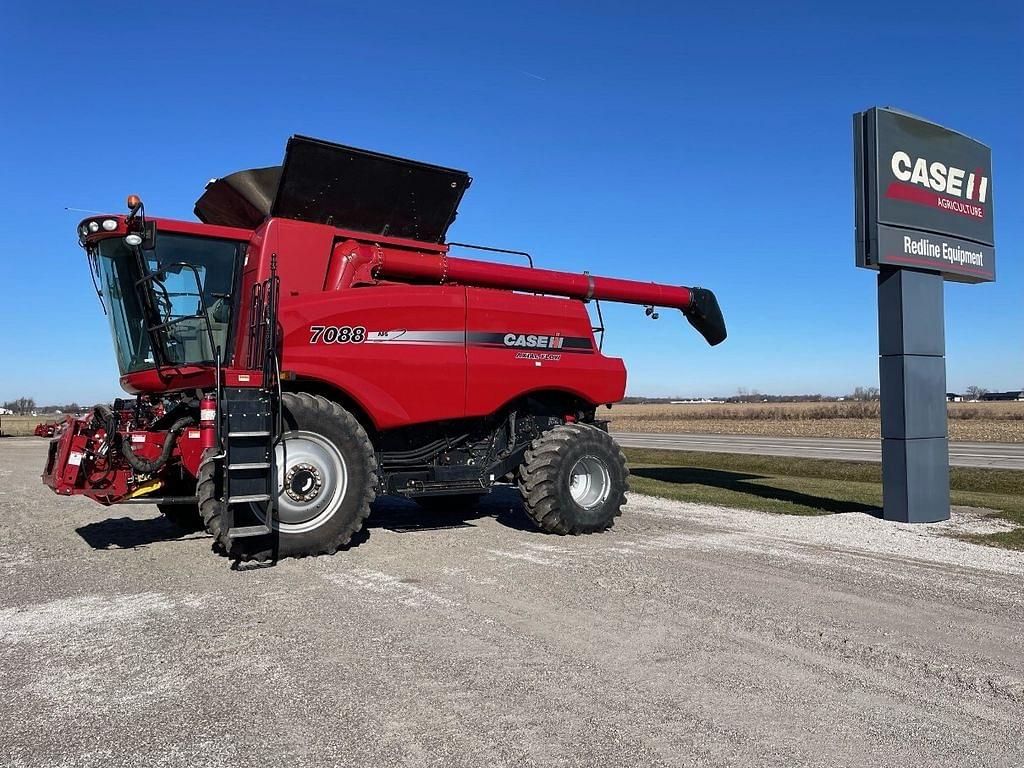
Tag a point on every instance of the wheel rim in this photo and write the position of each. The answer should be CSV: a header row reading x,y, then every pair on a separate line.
x,y
313,477
589,482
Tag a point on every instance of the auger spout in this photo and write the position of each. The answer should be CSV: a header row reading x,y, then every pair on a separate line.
x,y
699,305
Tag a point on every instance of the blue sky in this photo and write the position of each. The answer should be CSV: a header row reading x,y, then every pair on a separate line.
x,y
649,141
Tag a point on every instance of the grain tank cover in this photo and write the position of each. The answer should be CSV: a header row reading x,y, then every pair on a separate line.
x,y
356,189
341,186
242,199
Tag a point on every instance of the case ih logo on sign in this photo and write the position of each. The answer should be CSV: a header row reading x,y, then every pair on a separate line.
x,y
939,178
923,196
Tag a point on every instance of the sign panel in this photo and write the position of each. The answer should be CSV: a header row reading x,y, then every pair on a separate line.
x,y
924,197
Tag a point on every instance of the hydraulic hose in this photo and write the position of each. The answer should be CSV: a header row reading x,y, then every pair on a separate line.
x,y
150,466
147,466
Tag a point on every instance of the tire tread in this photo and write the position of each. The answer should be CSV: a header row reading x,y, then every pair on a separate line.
x,y
538,479
322,410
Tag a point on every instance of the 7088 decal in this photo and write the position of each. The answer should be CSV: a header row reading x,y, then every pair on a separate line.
x,y
335,334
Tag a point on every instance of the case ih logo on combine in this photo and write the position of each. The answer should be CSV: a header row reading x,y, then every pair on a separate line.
x,y
532,341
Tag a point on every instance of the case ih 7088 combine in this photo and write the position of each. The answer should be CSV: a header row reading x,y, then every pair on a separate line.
x,y
312,344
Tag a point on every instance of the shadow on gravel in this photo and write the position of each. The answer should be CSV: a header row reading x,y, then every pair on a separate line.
x,y
505,505
128,533
737,482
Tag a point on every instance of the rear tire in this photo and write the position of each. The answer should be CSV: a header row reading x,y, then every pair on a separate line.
x,y
574,480
335,457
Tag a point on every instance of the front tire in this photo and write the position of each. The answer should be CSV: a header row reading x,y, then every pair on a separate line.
x,y
574,480
327,471
185,516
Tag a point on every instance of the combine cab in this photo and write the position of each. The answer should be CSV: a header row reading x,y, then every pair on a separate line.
x,y
312,344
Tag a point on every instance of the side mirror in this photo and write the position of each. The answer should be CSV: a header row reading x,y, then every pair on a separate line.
x,y
148,235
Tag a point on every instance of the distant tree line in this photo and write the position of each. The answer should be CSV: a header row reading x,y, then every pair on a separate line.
x,y
745,395
24,406
21,406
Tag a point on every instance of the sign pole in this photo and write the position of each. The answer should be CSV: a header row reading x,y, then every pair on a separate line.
x,y
912,375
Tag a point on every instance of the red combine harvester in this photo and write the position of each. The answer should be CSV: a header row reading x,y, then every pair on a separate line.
x,y
313,344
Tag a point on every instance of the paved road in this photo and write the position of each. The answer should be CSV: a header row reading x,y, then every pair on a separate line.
x,y
996,455
685,636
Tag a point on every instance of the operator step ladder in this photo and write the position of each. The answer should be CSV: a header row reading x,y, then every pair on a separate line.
x,y
251,423
250,469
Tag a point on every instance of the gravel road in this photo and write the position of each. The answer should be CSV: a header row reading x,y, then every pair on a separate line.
x,y
687,636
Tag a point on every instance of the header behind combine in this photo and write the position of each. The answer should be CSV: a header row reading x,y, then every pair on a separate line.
x,y
312,344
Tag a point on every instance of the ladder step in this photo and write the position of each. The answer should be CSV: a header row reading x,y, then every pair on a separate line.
x,y
249,498
248,530
250,465
249,434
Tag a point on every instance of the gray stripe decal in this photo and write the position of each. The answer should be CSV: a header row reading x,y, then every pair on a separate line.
x,y
404,336
473,338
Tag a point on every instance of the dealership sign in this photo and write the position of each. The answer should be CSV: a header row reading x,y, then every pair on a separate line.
x,y
923,197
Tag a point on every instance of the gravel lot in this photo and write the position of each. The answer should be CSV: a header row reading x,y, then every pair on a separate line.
x,y
687,636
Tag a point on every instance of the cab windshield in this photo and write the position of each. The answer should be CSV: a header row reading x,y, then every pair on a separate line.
x,y
158,301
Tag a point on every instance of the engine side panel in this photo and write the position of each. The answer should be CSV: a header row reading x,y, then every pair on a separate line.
x,y
413,354
398,350
519,343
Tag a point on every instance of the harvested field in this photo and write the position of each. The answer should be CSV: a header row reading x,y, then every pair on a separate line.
x,y
974,422
20,426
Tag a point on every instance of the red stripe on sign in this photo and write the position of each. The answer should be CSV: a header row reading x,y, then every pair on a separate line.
x,y
938,266
911,194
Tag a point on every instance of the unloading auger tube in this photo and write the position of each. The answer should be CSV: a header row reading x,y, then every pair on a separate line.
x,y
148,466
698,305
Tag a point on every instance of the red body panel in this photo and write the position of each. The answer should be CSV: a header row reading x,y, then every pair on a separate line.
x,y
420,360
410,366
500,373
168,380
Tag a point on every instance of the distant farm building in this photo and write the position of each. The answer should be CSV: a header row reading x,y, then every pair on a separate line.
x,y
1014,395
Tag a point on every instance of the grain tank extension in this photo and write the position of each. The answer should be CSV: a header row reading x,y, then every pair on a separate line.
x,y
312,343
